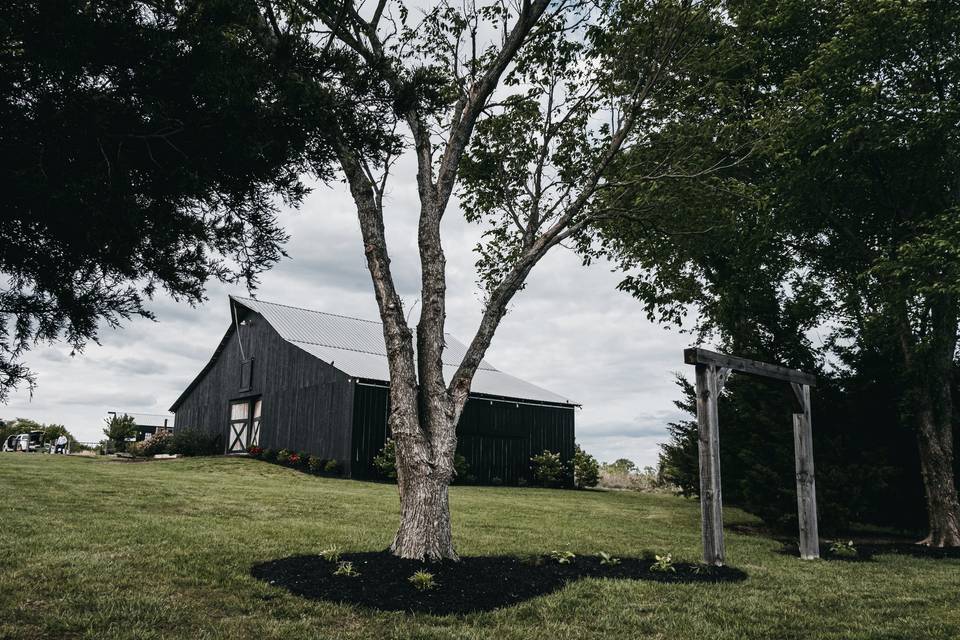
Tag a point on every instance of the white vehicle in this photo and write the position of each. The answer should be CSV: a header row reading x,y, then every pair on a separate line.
x,y
32,441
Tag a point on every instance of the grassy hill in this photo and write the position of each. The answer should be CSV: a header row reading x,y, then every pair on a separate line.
x,y
98,549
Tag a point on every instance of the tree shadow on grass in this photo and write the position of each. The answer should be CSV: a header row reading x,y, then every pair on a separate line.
x,y
866,551
473,584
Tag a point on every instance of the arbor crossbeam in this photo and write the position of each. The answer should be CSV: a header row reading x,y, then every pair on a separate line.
x,y
712,370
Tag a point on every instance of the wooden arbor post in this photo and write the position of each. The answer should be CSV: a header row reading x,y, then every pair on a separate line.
x,y
712,371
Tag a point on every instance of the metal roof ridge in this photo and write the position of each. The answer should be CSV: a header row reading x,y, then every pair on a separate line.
x,y
325,313
290,306
384,355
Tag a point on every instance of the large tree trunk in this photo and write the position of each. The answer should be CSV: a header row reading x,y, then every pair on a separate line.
x,y
424,532
929,362
424,472
935,439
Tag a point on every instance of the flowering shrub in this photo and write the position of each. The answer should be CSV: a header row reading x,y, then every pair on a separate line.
x,y
159,443
255,451
293,458
385,462
547,468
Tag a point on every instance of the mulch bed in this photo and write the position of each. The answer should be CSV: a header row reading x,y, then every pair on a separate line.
x,y
473,584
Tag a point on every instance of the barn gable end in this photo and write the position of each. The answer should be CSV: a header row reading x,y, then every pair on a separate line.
x,y
306,404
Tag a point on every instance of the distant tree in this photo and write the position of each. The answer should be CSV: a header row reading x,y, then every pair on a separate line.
x,y
119,429
144,147
620,466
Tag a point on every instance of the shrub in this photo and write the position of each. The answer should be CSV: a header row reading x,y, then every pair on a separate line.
x,y
333,467
269,455
547,468
563,557
254,451
316,464
385,462
283,456
193,442
843,549
422,580
345,568
304,458
293,459
663,564
461,466
586,470
136,448
159,443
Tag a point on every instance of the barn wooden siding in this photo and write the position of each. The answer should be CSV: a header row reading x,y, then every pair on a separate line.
x,y
497,438
307,404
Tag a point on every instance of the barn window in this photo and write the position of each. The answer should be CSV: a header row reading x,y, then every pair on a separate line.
x,y
246,374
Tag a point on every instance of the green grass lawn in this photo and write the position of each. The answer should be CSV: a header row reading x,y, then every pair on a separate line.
x,y
98,549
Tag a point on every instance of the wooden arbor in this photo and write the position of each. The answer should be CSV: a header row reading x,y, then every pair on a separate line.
x,y
712,372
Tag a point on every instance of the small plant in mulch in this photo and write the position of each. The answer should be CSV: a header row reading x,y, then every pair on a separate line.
x,y
701,569
563,557
331,553
607,560
423,581
663,564
841,549
345,568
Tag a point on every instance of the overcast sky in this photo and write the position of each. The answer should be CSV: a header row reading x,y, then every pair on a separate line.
x,y
569,331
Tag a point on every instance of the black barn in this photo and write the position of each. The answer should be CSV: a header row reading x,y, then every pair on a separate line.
x,y
290,378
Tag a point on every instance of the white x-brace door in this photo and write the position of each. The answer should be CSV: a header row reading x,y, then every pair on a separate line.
x,y
239,426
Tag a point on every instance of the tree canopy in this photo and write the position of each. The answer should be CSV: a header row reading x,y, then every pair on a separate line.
x,y
145,147
841,218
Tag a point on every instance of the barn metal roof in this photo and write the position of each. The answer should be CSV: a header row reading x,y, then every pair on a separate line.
x,y
357,348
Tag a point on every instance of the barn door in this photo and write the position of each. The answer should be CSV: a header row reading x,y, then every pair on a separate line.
x,y
255,425
239,426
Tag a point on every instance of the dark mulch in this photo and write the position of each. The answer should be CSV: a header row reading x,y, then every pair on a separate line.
x,y
867,550
473,584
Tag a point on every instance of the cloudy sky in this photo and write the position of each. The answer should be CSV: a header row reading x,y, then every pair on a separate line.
x,y
569,331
